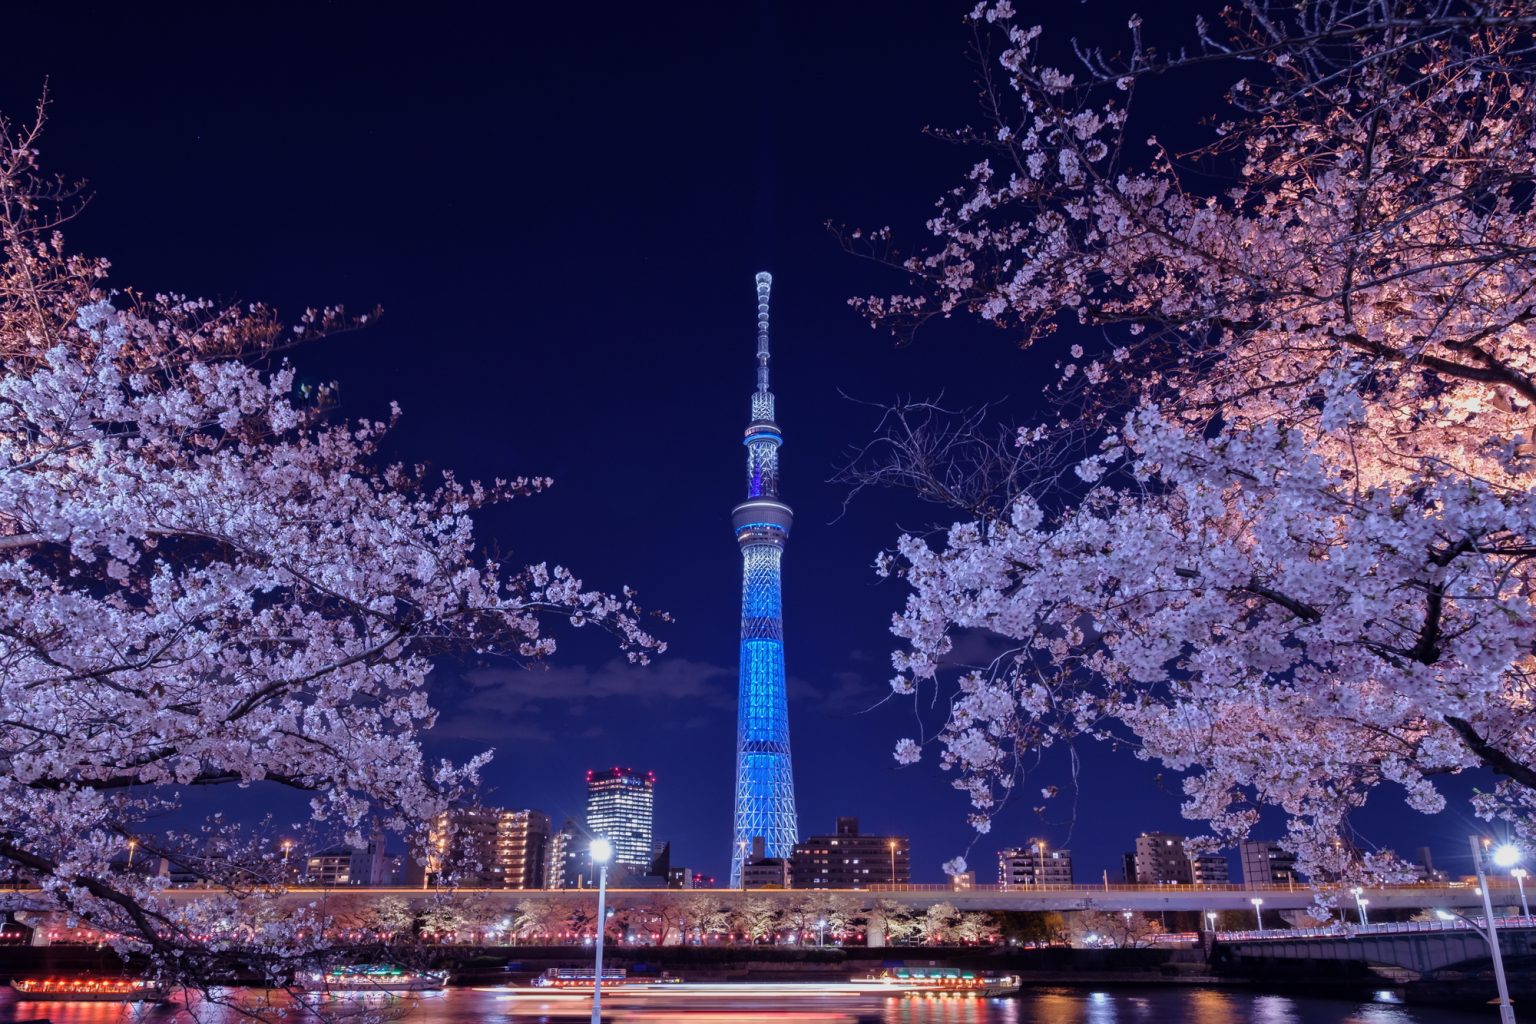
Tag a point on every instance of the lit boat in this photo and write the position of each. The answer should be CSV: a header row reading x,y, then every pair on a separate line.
x,y
373,978
943,981
89,990
582,977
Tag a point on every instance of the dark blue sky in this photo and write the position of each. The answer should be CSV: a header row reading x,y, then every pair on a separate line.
x,y
561,212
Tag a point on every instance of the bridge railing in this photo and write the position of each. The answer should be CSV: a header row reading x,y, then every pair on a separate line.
x,y
1338,931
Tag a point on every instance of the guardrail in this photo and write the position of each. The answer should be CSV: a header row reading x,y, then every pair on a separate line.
x,y
1351,931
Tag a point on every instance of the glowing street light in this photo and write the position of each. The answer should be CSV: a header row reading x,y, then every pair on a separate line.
x,y
1360,904
133,844
601,851
892,845
1518,874
1258,910
1210,917
821,929
1504,856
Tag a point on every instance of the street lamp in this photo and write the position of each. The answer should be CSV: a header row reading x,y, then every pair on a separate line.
x,y
892,845
1040,856
1210,917
133,844
1360,905
1504,856
821,932
741,846
1518,874
1258,911
601,852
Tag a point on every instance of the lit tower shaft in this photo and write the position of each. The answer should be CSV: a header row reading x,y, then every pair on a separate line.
x,y
765,787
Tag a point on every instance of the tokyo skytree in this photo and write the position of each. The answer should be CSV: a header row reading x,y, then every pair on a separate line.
x,y
765,787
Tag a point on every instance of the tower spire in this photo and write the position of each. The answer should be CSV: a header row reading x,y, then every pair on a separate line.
x,y
765,787
764,286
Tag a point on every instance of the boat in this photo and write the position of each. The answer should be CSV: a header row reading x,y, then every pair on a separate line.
x,y
583,977
927,981
373,978
90,990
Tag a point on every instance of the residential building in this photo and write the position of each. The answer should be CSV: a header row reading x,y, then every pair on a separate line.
x,y
620,806
565,857
345,865
1265,863
462,849
849,860
1161,860
521,839
1209,869
763,872
1035,864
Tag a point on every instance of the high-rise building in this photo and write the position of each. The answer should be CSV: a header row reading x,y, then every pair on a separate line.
x,y
1035,864
1266,863
620,805
849,860
765,786
521,838
1209,869
1162,860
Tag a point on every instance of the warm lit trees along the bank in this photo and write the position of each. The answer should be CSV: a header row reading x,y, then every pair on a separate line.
x,y
1278,529
207,578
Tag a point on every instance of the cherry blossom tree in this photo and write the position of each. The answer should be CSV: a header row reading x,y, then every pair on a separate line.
x,y
209,578
1276,529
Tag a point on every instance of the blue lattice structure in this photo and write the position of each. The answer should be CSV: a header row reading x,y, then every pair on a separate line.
x,y
765,786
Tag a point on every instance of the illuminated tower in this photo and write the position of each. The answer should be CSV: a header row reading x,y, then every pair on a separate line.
x,y
765,788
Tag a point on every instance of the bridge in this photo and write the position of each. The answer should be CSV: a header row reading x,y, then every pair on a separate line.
x,y
1061,898
1419,947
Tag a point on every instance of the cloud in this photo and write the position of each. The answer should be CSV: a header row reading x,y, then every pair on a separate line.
x,y
538,703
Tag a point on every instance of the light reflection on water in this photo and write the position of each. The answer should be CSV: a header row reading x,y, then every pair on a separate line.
x,y
1034,1006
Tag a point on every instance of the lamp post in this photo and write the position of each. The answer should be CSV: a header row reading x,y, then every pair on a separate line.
x,y
892,845
1360,904
133,844
821,932
1040,860
601,851
741,847
1504,856
1518,874
1210,918
1258,911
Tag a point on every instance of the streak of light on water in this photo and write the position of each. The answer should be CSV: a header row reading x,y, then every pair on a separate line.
x,y
789,1003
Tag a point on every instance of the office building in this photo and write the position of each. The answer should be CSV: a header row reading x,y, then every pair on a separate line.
x,y
1265,864
1161,859
1035,864
620,804
849,860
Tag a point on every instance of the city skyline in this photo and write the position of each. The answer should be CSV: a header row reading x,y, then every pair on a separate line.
x,y
506,365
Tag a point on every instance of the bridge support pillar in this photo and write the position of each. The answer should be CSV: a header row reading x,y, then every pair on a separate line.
x,y
874,933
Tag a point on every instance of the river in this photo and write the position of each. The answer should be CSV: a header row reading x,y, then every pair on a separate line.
x,y
1033,1006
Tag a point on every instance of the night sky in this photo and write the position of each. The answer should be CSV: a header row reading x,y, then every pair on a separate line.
x,y
561,213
